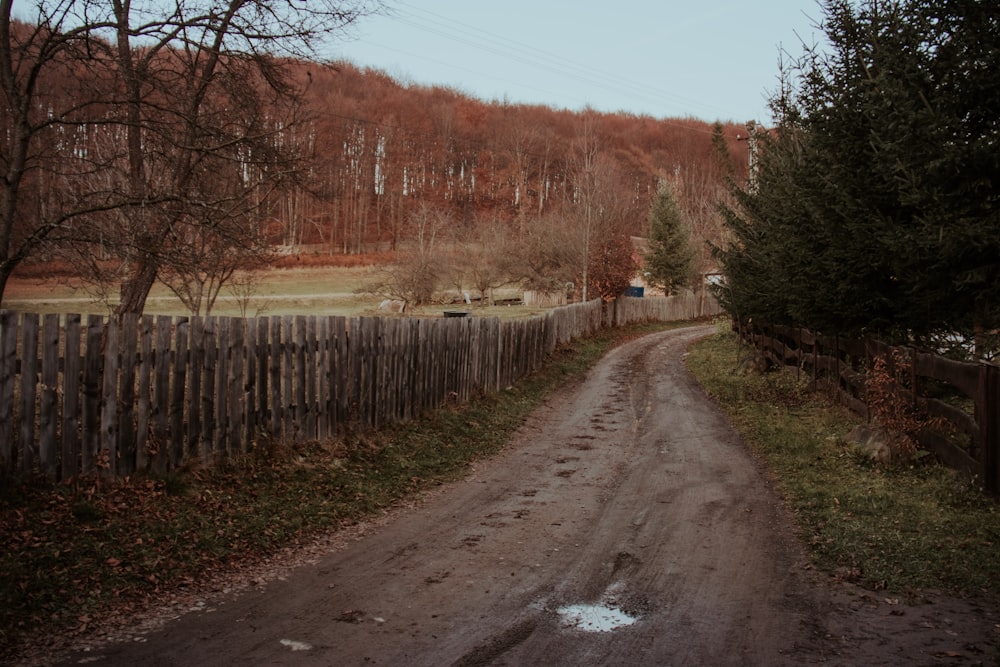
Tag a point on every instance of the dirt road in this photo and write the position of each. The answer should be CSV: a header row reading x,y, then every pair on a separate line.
x,y
626,526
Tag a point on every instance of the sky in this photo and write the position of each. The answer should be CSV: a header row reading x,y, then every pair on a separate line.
x,y
706,59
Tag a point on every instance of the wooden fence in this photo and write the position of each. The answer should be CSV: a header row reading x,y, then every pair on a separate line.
x,y
938,387
81,395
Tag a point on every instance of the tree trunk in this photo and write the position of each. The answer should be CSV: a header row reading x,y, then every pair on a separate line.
x,y
6,268
135,289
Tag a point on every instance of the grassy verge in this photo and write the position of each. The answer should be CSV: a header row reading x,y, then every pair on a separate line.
x,y
75,551
901,528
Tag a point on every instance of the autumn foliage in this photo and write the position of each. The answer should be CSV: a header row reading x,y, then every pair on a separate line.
x,y
289,153
382,149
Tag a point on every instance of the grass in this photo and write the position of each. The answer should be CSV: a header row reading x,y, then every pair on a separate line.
x,y
311,290
74,552
288,290
901,528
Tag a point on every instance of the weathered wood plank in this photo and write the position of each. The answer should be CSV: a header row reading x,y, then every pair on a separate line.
x,y
310,425
353,370
382,397
146,453
381,400
949,453
301,358
209,444
196,361
250,382
29,389
324,393
962,420
161,389
423,365
126,394
250,407
962,375
108,454
49,396
181,360
369,364
277,411
236,387
221,439
406,342
263,419
340,370
8,370
92,384
69,456
288,379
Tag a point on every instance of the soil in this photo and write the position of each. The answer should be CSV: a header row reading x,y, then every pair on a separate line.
x,y
626,525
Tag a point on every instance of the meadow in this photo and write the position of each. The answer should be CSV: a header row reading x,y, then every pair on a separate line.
x,y
309,290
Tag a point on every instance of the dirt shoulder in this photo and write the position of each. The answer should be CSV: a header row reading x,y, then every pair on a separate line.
x,y
626,525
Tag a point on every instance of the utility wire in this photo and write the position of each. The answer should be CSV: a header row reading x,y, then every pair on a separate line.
x,y
529,54
516,52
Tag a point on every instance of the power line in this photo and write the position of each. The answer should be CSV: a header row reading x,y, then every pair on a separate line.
x,y
474,37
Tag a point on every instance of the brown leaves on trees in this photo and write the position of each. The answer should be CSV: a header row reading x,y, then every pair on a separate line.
x,y
612,266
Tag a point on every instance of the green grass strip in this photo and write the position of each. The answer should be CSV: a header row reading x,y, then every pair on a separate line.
x,y
901,528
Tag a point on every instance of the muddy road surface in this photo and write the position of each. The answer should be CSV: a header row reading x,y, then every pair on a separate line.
x,y
625,526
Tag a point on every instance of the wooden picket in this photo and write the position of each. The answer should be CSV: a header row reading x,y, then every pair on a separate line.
x,y
153,392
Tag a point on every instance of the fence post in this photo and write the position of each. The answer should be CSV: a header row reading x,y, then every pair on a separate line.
x,y
109,402
989,425
8,371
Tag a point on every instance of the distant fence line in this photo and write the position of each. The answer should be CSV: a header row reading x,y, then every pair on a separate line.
x,y
80,395
841,364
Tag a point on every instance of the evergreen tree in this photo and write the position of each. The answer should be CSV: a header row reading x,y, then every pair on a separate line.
x,y
670,261
876,210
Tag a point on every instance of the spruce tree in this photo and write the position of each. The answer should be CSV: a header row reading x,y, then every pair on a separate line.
x,y
669,263
877,207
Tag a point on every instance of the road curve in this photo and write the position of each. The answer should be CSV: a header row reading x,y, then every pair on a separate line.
x,y
626,525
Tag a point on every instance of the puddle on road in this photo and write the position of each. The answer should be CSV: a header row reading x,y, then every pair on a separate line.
x,y
616,609
296,646
595,617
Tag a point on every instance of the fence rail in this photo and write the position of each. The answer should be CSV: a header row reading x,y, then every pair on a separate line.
x,y
82,395
841,364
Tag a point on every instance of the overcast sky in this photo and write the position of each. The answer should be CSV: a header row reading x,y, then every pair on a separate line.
x,y
707,59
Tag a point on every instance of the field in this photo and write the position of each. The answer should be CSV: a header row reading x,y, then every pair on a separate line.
x,y
324,290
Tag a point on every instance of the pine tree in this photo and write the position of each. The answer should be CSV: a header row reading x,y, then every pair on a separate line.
x,y
670,261
877,206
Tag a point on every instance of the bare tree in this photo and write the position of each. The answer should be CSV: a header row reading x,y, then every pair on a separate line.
x,y
210,258
604,202
418,272
201,91
585,163
551,252
487,256
43,100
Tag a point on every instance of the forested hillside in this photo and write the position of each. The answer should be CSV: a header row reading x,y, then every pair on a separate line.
x,y
188,142
380,148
